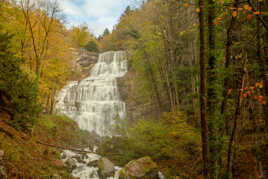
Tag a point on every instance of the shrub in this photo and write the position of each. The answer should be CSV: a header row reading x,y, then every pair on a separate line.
x,y
92,46
170,141
18,93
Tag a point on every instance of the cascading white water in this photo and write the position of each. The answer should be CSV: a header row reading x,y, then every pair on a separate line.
x,y
94,102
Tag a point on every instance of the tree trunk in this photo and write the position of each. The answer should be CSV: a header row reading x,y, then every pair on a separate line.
x,y
204,126
212,97
236,118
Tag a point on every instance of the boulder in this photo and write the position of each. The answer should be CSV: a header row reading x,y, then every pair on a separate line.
x,y
106,168
63,156
93,163
70,164
143,168
3,173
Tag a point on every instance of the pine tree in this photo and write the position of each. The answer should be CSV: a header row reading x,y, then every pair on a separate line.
x,y
18,93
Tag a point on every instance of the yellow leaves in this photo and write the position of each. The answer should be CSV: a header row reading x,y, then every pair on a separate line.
x,y
247,7
182,32
197,10
259,85
234,14
186,5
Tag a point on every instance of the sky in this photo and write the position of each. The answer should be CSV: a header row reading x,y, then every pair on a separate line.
x,y
96,14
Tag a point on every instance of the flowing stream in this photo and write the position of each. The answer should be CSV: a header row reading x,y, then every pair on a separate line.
x,y
94,103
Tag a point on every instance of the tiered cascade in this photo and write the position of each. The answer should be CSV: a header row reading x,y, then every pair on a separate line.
x,y
94,102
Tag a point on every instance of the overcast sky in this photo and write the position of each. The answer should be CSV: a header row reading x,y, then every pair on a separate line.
x,y
97,14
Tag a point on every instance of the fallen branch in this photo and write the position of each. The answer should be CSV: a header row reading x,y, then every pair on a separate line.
x,y
64,148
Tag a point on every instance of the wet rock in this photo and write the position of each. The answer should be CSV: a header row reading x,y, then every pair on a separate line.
x,y
3,173
70,164
79,158
93,163
84,157
63,156
143,168
106,168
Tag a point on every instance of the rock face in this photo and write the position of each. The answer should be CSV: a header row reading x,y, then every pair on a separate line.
x,y
106,168
143,168
84,60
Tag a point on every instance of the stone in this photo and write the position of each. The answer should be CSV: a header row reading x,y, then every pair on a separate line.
x,y
3,173
79,158
143,168
106,168
93,163
63,156
70,164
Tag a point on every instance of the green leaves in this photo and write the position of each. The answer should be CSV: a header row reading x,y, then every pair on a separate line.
x,y
18,93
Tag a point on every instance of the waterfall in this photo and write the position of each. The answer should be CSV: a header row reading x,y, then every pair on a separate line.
x,y
94,102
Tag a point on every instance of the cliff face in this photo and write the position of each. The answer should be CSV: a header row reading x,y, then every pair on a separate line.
x,y
84,61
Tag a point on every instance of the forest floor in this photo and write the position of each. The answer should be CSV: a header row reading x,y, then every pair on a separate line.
x,y
24,156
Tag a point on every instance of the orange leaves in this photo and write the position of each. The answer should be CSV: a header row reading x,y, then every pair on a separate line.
x,y
197,10
247,7
234,14
259,85
229,91
215,21
256,13
249,16
186,5
251,87
244,95
255,97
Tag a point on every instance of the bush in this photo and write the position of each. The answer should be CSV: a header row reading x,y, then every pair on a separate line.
x,y
18,93
92,46
170,141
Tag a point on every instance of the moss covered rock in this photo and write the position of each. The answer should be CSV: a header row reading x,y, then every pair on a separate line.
x,y
143,168
106,168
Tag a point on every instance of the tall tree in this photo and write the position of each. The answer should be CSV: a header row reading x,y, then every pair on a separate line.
x,y
202,59
212,97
